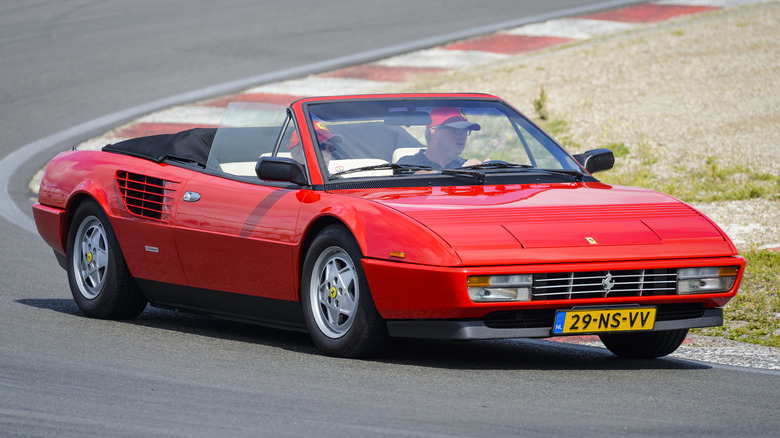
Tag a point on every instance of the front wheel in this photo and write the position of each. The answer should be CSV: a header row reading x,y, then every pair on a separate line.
x,y
337,305
645,345
99,279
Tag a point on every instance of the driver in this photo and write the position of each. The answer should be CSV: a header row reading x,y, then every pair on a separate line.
x,y
446,137
328,143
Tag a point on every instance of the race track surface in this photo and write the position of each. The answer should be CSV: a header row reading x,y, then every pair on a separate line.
x,y
96,66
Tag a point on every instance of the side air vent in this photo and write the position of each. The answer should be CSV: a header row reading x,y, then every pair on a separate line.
x,y
145,195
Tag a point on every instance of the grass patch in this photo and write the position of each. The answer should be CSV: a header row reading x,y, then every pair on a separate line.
x,y
540,105
636,167
618,149
754,314
708,184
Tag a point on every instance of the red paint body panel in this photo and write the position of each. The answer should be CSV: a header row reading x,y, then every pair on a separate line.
x,y
149,249
51,223
542,224
239,237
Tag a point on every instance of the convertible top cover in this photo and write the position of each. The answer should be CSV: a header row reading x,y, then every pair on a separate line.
x,y
192,145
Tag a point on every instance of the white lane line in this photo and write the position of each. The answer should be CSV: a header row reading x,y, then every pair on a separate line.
x,y
442,58
575,28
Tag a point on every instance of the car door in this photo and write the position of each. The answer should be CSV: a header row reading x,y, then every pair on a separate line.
x,y
238,236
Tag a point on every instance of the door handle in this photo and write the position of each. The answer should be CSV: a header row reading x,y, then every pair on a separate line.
x,y
191,196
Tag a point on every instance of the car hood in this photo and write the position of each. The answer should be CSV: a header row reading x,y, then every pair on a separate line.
x,y
557,222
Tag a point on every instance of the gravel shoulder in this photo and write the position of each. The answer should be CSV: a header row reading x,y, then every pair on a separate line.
x,y
681,91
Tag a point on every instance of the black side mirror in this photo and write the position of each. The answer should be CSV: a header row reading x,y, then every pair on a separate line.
x,y
596,160
281,169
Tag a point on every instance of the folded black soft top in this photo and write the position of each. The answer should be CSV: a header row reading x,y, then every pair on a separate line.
x,y
192,146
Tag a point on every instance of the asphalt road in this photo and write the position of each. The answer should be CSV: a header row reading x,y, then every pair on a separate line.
x,y
69,63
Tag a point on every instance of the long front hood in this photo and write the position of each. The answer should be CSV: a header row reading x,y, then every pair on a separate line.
x,y
559,223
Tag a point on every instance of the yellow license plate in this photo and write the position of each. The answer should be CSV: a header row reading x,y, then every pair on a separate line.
x,y
604,320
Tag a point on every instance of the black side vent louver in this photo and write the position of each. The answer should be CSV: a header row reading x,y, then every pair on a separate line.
x,y
146,196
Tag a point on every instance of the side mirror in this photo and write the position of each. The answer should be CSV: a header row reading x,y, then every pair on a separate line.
x,y
596,160
281,169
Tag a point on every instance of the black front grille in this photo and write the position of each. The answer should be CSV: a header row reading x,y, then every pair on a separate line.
x,y
520,319
601,284
673,312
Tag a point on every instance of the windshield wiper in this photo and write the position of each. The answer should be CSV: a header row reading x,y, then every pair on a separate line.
x,y
504,165
465,171
498,165
383,166
572,173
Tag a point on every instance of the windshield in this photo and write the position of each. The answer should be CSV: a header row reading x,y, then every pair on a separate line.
x,y
443,136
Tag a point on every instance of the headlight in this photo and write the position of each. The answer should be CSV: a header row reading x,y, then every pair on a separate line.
x,y
492,288
706,280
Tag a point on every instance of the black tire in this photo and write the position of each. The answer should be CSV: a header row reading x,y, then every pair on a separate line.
x,y
337,305
645,345
99,279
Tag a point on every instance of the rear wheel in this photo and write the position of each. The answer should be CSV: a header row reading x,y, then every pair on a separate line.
x,y
99,279
337,304
645,345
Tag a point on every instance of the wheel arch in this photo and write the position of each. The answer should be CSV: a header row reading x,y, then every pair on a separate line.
x,y
311,233
78,198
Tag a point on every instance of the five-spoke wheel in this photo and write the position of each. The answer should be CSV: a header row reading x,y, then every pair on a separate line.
x,y
90,257
99,279
337,304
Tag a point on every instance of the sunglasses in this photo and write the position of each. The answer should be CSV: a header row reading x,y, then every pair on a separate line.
x,y
328,146
457,131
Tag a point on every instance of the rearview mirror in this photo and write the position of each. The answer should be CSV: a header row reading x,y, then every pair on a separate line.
x,y
596,160
280,169
407,118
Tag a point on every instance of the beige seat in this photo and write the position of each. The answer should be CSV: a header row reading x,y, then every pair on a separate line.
x,y
247,168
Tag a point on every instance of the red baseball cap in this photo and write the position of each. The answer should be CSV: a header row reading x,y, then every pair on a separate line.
x,y
452,117
323,133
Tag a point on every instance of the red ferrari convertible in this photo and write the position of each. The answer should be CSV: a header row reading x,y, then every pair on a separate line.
x,y
357,218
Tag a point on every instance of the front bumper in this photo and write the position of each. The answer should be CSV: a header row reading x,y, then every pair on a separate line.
x,y
539,324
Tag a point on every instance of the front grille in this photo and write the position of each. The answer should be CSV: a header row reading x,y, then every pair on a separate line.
x,y
146,196
520,318
601,284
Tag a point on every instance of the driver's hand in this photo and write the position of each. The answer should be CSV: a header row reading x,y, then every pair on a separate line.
x,y
471,162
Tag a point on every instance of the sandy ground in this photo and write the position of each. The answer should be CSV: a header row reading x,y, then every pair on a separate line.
x,y
684,90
